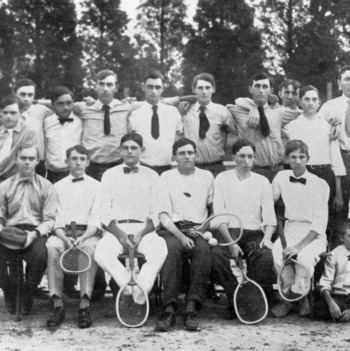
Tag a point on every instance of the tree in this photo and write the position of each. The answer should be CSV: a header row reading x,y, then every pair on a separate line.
x,y
227,45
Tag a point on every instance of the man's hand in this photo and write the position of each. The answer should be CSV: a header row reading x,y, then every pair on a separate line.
x,y
138,237
266,243
253,118
70,242
193,234
345,316
79,241
290,252
124,240
129,99
187,243
30,238
184,107
235,251
272,99
334,310
338,202
89,100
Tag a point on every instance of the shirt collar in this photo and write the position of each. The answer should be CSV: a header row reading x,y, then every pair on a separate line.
x,y
209,106
125,165
149,105
305,175
17,128
98,104
70,177
20,179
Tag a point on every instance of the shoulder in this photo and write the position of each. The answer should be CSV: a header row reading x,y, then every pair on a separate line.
x,y
112,172
332,102
44,183
282,176
149,172
259,178
219,108
225,176
171,173
204,174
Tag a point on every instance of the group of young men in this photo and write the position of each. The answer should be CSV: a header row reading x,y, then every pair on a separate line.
x,y
107,165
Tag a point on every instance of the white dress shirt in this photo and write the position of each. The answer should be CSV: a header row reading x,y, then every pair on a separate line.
x,y
189,195
79,201
158,152
59,138
249,199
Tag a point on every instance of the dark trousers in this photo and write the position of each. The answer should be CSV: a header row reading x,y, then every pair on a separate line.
x,y
41,168
174,265
214,167
96,170
321,309
345,183
260,266
158,169
54,177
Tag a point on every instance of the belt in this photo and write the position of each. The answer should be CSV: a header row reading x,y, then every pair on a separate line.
x,y
78,227
207,164
318,166
345,151
268,167
129,221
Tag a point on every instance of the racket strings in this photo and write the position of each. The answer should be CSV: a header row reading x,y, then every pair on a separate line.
x,y
75,261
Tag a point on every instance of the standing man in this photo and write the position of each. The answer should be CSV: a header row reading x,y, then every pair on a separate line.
x,y
132,197
158,123
33,116
289,94
190,193
28,202
207,124
62,131
80,201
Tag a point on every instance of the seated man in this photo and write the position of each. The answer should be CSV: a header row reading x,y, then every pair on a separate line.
x,y
80,201
190,192
28,202
305,197
248,195
132,196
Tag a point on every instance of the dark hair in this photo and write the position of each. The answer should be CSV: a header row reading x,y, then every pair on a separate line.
x,y
294,83
307,88
9,100
242,143
106,73
58,91
79,149
203,76
24,83
153,74
137,138
343,69
294,145
182,142
343,227
28,146
260,76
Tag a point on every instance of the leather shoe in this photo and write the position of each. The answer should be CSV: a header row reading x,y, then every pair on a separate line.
x,y
304,308
85,320
282,309
190,321
27,301
10,301
166,322
56,318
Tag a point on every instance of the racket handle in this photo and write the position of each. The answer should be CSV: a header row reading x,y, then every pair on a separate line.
x,y
131,238
280,231
73,226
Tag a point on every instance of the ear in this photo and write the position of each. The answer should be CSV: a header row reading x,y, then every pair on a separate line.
x,y
280,94
87,163
250,90
339,87
143,149
66,161
143,87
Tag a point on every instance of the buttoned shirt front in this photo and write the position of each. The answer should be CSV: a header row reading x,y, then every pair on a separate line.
x,y
249,199
28,201
211,148
189,195
158,152
60,137
80,201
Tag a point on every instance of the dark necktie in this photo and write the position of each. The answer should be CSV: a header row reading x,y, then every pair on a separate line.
x,y
155,123
128,170
77,179
348,257
63,120
264,124
106,121
203,122
297,180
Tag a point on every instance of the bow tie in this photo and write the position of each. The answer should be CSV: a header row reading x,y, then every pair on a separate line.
x,y
77,179
63,120
297,180
128,170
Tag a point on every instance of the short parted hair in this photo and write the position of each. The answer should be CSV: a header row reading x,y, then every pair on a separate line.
x,y
106,73
182,142
28,146
24,83
260,76
137,138
9,100
79,149
295,145
343,69
203,76
153,74
307,88
294,83
58,91
242,143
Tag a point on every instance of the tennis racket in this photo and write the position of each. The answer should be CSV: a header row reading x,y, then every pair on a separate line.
x,y
130,313
249,299
293,281
75,260
212,223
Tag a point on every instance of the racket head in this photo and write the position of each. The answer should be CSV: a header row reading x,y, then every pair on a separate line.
x,y
75,261
130,313
293,281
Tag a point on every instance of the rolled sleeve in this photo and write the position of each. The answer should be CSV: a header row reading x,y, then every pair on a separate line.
x,y
320,220
328,275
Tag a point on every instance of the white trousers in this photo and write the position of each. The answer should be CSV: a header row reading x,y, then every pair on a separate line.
x,y
151,246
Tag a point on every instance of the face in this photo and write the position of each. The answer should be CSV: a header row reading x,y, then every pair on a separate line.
x,y
204,91
310,102
106,88
26,161
244,159
185,157
260,91
153,89
131,152
297,161
77,163
10,115
344,83
63,106
289,96
26,96
346,239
